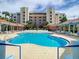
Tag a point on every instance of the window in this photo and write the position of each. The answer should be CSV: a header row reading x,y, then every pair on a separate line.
x,y
44,19
50,21
30,19
23,21
35,17
39,17
50,15
23,12
23,15
23,18
56,14
14,16
50,18
50,12
40,20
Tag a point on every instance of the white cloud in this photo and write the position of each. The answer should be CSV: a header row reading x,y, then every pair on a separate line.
x,y
32,4
72,12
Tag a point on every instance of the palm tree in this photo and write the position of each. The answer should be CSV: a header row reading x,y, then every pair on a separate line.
x,y
63,19
12,20
0,16
29,25
9,16
44,25
6,14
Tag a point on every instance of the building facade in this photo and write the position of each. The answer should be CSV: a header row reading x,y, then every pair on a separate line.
x,y
37,18
24,15
70,26
16,17
59,18
9,26
50,15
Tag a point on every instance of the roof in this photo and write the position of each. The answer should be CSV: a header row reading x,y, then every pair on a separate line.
x,y
3,21
71,21
16,24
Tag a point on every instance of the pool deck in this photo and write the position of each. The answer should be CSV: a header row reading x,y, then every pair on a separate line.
x,y
8,35
71,39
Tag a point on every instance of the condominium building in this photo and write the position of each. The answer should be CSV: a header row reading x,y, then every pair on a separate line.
x,y
54,17
37,18
50,15
16,17
58,17
24,15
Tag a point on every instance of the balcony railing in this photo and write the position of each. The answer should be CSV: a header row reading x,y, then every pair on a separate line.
x,y
68,52
8,51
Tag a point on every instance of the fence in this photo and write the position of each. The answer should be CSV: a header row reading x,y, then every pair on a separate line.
x,y
68,52
9,51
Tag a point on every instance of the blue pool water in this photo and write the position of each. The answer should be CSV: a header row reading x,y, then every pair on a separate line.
x,y
42,39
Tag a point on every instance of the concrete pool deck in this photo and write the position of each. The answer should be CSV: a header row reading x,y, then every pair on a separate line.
x,y
67,37
14,34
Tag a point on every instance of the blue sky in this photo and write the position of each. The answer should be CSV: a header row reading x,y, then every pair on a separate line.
x,y
69,7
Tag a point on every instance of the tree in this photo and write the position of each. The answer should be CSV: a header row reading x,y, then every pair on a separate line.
x,y
2,17
6,14
29,25
63,19
44,25
12,20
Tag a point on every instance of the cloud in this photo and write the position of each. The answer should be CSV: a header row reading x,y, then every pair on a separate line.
x,y
30,3
72,12
66,6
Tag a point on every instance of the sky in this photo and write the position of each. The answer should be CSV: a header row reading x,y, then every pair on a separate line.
x,y
69,7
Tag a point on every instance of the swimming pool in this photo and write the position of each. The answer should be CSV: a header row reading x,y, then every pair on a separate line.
x,y
42,39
